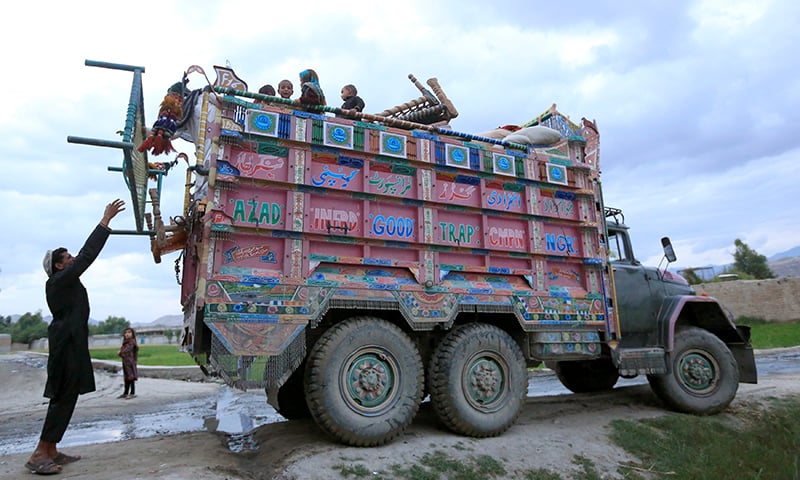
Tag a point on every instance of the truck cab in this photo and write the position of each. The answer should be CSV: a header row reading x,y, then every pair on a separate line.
x,y
688,345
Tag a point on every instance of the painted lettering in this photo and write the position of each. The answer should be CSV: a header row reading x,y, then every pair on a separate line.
x,y
259,213
459,234
560,243
508,200
557,206
400,227
331,218
507,237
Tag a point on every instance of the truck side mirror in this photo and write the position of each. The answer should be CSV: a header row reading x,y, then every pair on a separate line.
x,y
668,250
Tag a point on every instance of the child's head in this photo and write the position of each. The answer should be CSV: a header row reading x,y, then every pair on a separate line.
x,y
285,89
129,333
309,75
266,90
348,91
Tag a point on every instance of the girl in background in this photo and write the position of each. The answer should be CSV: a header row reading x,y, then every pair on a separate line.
x,y
129,352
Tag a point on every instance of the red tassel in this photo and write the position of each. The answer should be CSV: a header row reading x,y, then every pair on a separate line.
x,y
147,144
157,142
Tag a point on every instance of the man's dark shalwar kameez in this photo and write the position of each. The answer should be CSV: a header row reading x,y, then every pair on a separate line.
x,y
69,366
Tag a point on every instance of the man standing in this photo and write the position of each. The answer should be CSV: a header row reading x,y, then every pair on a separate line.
x,y
69,366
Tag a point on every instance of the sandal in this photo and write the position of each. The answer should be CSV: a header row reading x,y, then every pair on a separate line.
x,y
43,467
63,458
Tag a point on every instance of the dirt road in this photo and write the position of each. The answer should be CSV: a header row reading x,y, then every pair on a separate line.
x,y
549,433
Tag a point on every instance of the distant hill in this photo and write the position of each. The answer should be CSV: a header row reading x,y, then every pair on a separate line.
x,y
785,266
792,252
164,321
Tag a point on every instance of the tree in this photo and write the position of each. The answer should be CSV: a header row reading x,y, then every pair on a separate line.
x,y
29,327
170,334
110,325
750,262
691,276
5,324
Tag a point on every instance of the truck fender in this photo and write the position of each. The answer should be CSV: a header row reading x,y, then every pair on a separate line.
x,y
707,313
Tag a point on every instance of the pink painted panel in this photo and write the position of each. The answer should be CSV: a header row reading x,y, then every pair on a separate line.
x,y
336,216
446,190
496,198
562,240
507,234
249,253
252,165
566,277
325,171
253,206
458,229
382,181
459,258
393,222
395,254
335,249
556,203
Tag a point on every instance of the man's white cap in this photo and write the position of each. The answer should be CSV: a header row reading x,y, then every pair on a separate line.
x,y
47,263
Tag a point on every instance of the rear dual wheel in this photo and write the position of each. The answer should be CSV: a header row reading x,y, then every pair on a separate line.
x,y
364,381
478,380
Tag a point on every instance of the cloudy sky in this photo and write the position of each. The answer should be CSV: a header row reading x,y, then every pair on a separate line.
x,y
697,102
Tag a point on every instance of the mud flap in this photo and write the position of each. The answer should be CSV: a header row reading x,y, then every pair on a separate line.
x,y
256,354
743,353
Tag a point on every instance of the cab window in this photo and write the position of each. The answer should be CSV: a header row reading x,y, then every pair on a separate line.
x,y
617,249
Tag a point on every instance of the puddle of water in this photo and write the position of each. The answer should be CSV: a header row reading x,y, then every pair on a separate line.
x,y
230,411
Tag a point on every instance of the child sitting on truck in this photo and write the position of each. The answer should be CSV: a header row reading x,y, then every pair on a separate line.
x,y
285,89
266,90
310,90
351,99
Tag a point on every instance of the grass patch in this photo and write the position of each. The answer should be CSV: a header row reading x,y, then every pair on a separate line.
x,y
753,442
357,470
772,335
440,465
149,355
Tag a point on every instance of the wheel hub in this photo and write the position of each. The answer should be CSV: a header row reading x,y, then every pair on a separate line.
x,y
485,381
369,381
697,372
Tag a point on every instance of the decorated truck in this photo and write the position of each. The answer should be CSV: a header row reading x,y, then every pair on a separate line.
x,y
353,265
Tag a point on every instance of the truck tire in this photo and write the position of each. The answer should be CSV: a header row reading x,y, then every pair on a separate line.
x,y
478,380
292,397
704,376
584,376
364,381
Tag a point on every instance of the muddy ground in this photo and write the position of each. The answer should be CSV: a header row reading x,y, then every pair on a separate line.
x,y
550,432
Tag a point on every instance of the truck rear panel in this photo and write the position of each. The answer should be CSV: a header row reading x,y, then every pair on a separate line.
x,y
304,212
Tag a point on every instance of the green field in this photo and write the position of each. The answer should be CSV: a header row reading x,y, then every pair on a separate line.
x,y
773,335
149,355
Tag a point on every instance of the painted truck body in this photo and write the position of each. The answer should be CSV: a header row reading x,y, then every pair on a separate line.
x,y
351,267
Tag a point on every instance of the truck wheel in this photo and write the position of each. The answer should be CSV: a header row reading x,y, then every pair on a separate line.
x,y
584,376
292,397
364,381
704,376
478,380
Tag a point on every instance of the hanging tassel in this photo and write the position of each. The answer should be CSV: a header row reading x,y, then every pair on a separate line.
x,y
159,139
